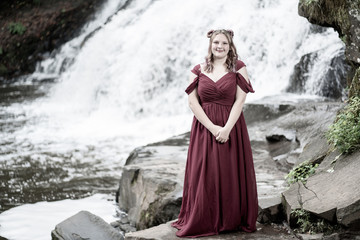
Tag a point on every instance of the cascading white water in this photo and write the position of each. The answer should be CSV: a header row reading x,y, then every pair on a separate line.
x,y
125,84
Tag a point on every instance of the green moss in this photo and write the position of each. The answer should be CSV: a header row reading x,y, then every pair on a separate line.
x,y
16,28
344,133
308,2
3,69
301,172
355,85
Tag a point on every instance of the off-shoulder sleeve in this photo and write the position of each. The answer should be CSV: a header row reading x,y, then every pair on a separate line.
x,y
239,64
240,80
193,85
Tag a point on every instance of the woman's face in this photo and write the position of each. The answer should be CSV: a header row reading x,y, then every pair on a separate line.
x,y
220,46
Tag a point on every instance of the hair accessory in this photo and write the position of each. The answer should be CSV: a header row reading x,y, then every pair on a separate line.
x,y
230,32
210,33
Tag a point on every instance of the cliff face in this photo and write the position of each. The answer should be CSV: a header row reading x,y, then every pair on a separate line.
x,y
344,17
29,28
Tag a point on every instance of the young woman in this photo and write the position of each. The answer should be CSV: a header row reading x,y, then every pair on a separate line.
x,y
219,186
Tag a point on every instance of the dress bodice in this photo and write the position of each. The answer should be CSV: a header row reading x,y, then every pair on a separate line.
x,y
223,91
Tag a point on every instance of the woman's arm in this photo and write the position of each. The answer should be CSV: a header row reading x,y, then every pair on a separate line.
x,y
223,133
199,111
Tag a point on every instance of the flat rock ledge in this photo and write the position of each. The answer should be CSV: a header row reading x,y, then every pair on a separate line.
x,y
166,232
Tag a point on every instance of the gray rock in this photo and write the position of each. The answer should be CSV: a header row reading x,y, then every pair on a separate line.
x,y
265,112
315,150
270,210
166,232
152,182
333,193
85,225
318,236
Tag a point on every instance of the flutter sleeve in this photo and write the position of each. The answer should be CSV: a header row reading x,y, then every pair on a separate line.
x,y
193,85
240,80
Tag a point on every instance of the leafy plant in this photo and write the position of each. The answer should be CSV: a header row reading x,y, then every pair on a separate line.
x,y
344,133
308,223
301,172
16,28
308,2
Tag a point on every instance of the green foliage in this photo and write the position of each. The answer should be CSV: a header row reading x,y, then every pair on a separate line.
x,y
16,28
301,172
308,2
1,50
308,223
3,69
344,38
344,133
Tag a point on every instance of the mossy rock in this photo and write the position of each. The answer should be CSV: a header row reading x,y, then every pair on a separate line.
x,y
355,85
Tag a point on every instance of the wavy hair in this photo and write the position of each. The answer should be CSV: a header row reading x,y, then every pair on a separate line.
x,y
232,54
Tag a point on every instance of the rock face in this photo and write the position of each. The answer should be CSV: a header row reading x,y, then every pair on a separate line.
x,y
344,17
152,180
47,24
85,225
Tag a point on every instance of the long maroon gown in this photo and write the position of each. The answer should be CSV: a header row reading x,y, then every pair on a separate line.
x,y
219,185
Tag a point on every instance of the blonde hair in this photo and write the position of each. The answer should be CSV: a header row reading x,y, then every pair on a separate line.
x,y
232,54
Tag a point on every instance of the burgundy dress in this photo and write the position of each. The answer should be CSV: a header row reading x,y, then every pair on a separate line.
x,y
219,185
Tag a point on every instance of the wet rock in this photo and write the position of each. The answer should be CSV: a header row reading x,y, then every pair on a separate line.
x,y
331,84
85,225
300,75
344,17
332,193
166,232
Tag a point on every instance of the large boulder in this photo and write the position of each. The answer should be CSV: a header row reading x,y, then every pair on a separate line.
x,y
85,225
333,193
151,184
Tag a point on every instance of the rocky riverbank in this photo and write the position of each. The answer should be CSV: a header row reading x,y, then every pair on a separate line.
x,y
281,136
30,28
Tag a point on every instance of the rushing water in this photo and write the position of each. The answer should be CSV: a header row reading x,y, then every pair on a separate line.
x,y
67,129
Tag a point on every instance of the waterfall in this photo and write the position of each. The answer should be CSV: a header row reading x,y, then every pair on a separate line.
x,y
121,83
